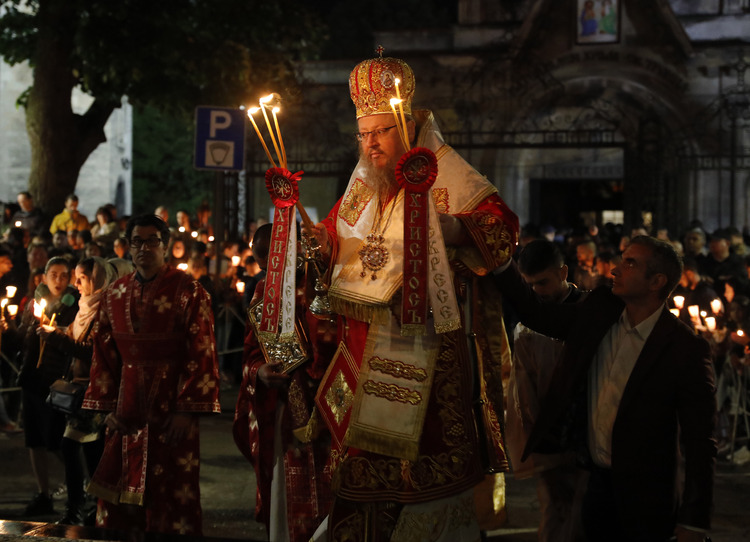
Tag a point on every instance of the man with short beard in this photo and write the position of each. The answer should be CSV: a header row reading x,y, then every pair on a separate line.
x,y
398,395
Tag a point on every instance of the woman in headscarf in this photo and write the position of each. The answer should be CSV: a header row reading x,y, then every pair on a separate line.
x,y
84,429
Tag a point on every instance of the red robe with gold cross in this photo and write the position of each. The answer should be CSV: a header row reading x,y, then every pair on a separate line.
x,y
154,355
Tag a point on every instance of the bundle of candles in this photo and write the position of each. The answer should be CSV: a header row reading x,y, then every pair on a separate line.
x,y
399,117
272,102
700,319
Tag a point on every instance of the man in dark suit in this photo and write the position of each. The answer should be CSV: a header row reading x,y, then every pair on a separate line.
x,y
632,381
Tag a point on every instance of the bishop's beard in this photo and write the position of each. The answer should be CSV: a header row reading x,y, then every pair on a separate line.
x,y
381,179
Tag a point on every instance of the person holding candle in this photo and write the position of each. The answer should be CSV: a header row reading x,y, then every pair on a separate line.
x,y
43,364
31,217
153,372
632,394
694,289
84,431
398,396
275,420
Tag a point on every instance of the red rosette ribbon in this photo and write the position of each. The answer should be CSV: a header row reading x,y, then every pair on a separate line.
x,y
417,170
282,186
416,173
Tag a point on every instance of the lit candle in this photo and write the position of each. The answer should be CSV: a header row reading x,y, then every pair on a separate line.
x,y
703,314
716,306
235,261
401,134
37,310
263,102
210,238
693,311
240,287
676,312
182,229
18,224
679,301
250,113
3,303
401,110
12,310
182,266
740,333
711,323
194,234
282,159
10,291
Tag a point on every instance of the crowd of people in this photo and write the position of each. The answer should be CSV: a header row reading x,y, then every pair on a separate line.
x,y
378,413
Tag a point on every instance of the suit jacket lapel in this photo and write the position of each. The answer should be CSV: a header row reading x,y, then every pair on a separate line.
x,y
651,354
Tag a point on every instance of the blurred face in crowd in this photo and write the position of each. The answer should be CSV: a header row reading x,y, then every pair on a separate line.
x,y
585,255
56,278
26,204
120,248
550,285
71,205
694,242
178,249
183,219
5,265
60,240
37,257
83,282
719,249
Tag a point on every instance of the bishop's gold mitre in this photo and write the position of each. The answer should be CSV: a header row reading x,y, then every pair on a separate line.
x,y
372,84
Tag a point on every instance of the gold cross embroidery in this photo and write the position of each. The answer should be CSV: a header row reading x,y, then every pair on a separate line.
x,y
119,291
162,304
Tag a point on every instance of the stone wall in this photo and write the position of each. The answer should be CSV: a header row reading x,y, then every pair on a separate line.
x,y
106,177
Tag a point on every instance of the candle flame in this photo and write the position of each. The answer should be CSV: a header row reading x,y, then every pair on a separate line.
x,y
740,333
711,323
4,302
676,312
210,238
252,111
397,80
17,224
266,99
276,110
182,266
395,101
12,310
194,235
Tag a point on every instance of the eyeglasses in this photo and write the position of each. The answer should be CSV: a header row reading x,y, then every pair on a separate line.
x,y
151,242
361,136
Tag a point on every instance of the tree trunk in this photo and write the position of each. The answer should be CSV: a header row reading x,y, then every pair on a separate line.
x,y
61,141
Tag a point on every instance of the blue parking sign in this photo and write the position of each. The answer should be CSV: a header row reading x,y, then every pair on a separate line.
x,y
219,138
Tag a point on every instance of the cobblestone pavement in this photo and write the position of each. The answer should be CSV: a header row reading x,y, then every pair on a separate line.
x,y
228,489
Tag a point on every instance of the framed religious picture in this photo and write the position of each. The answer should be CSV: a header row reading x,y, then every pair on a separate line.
x,y
597,21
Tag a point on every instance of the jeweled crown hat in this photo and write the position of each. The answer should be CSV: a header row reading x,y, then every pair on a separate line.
x,y
372,84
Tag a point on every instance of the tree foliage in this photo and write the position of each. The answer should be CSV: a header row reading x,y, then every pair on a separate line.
x,y
171,55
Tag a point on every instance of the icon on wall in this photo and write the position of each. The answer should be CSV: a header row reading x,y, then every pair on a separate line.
x,y
597,21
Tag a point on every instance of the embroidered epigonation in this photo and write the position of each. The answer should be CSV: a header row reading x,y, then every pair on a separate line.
x,y
339,397
392,392
398,369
